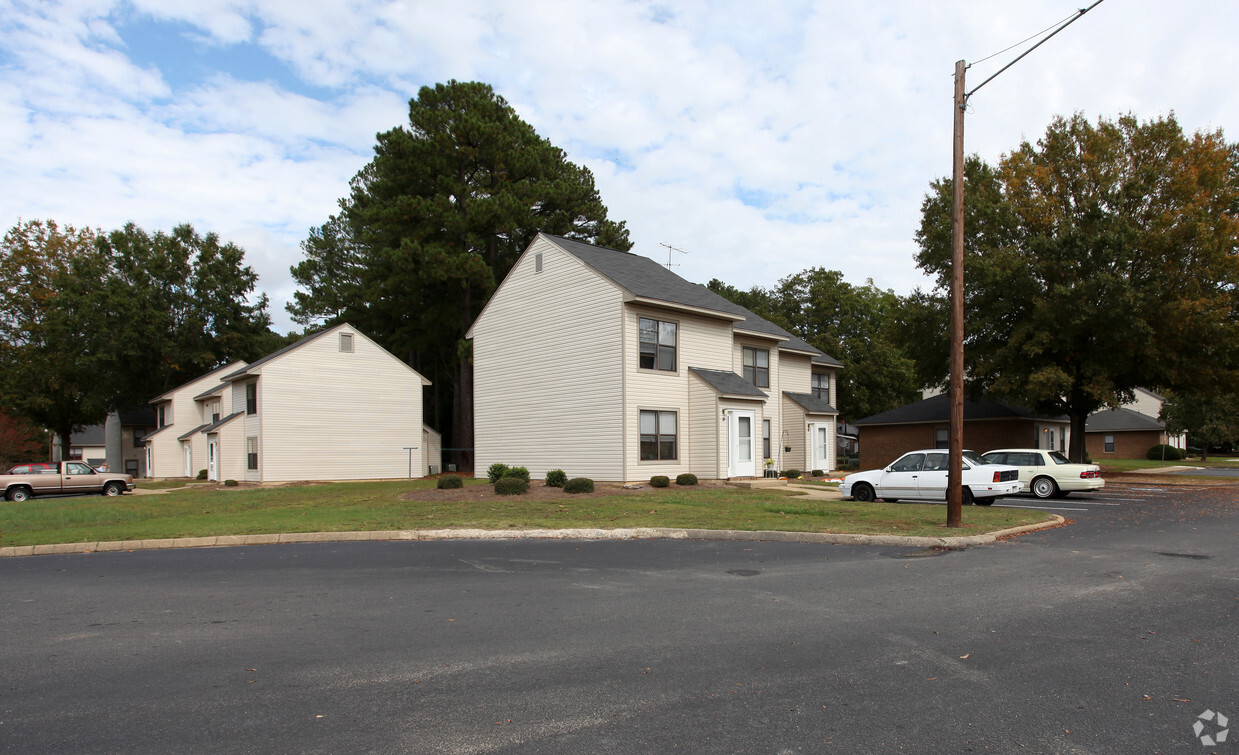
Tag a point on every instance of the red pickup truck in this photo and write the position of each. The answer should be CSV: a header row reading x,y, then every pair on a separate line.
x,y
24,481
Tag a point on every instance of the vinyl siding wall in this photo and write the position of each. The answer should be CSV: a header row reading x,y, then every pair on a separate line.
x,y
707,434
702,342
324,414
166,457
794,435
184,414
547,380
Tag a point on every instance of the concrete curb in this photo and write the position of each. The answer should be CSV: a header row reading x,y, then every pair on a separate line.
x,y
637,533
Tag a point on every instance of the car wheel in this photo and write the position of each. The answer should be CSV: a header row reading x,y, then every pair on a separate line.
x,y
112,489
985,501
863,491
18,495
1044,487
966,499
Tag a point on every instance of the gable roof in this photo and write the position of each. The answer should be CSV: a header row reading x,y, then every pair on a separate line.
x,y
728,383
938,409
249,369
645,279
1120,420
224,368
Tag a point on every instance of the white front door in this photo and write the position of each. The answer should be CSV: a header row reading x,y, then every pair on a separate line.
x,y
819,445
189,459
212,456
741,451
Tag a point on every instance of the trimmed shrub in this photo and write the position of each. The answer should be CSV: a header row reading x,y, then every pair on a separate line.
x,y
1164,451
202,474
449,481
660,481
579,485
686,479
556,478
520,472
496,471
818,473
511,486
791,474
230,483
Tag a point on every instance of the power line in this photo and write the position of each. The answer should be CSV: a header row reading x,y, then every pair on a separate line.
x,y
1022,41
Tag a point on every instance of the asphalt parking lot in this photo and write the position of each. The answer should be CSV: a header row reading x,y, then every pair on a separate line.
x,y
1115,633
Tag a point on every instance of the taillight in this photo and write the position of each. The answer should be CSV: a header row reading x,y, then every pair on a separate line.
x,y
1089,474
998,477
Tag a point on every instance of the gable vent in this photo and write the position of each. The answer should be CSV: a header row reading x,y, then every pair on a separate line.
x,y
346,343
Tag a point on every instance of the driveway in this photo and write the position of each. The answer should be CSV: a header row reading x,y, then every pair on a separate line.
x,y
1114,634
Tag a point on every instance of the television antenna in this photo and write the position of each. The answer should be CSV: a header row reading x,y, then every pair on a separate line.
x,y
670,250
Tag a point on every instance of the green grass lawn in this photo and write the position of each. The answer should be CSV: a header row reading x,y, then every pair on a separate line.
x,y
341,507
1117,466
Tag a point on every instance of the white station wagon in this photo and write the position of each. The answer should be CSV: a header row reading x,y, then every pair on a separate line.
x,y
921,475
1048,474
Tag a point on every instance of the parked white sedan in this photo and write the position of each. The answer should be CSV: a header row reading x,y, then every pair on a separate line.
x,y
1048,474
921,475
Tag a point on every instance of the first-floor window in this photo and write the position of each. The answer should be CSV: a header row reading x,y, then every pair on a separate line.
x,y
1109,444
765,439
251,453
658,433
942,437
75,453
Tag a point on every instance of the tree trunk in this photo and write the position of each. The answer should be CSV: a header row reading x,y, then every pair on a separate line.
x,y
1077,448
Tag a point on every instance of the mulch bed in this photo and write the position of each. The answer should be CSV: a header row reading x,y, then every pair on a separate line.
x,y
537,492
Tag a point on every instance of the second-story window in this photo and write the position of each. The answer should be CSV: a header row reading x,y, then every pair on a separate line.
x,y
821,386
757,366
657,345
251,398
163,416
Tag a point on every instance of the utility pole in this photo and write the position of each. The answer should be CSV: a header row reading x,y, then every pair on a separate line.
x,y
955,457
955,465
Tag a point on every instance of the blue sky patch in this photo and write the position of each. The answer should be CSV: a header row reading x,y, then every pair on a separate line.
x,y
185,58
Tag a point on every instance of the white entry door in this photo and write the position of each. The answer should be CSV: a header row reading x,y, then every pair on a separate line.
x,y
741,451
189,459
212,458
819,445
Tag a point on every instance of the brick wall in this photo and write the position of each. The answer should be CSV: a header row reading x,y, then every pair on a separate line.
x,y
882,444
1127,445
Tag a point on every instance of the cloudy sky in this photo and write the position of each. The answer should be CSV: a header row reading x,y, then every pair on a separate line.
x,y
762,138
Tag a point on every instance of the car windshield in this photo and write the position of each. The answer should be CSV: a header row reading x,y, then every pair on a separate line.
x,y
1059,458
975,458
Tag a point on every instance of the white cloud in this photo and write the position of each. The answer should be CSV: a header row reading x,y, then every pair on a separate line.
x,y
828,118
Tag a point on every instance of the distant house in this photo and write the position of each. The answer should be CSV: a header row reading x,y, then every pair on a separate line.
x,y
90,443
988,424
1122,434
332,406
607,365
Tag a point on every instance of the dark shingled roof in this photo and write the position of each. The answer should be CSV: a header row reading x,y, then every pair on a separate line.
x,y
190,434
645,278
728,383
1120,420
938,409
811,404
241,373
213,426
168,395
